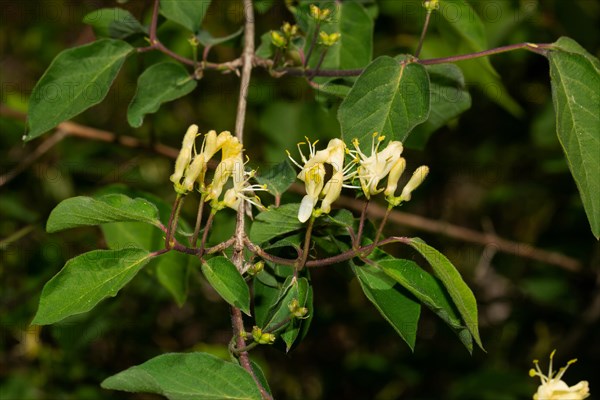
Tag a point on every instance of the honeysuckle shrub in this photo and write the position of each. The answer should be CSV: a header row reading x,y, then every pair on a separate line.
x,y
381,101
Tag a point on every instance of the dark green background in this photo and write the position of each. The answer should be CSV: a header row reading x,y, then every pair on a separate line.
x,y
489,170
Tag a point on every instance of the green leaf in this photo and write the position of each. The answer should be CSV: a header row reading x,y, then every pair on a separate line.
x,y
265,48
449,98
260,375
86,280
206,39
188,13
189,376
158,84
390,97
82,211
575,78
279,316
76,79
462,31
401,311
116,23
355,46
301,291
278,178
227,281
458,290
424,287
172,271
172,268
465,21
275,222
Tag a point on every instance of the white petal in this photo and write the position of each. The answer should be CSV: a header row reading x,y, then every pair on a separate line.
x,y
306,208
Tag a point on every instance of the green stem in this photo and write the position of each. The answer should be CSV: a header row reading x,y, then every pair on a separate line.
x,y
361,224
172,225
306,247
207,227
194,238
536,48
319,63
423,33
383,221
313,42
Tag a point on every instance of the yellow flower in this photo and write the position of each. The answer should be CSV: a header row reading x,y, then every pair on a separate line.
x,y
231,163
553,388
314,180
185,154
378,164
312,173
278,39
318,14
415,181
329,39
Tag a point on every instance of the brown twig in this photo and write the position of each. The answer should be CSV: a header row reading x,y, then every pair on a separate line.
x,y
465,234
402,218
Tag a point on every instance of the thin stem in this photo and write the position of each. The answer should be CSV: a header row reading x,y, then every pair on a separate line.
x,y
536,48
361,224
220,247
306,247
423,33
172,225
276,57
269,257
207,227
313,42
194,238
247,59
237,323
319,63
382,224
154,23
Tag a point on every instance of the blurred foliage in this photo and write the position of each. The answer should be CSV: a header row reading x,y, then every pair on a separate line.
x,y
490,170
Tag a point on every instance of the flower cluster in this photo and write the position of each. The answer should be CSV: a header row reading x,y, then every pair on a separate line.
x,y
191,167
554,388
370,171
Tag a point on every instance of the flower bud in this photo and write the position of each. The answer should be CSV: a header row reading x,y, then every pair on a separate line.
x,y
289,30
329,39
415,181
261,337
318,14
196,168
185,154
431,5
278,39
296,310
394,176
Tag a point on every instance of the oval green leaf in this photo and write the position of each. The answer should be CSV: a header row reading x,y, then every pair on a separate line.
x,y
76,79
189,376
449,98
354,49
227,281
398,308
116,23
158,84
390,97
575,78
275,222
188,13
83,211
86,280
427,289
458,290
